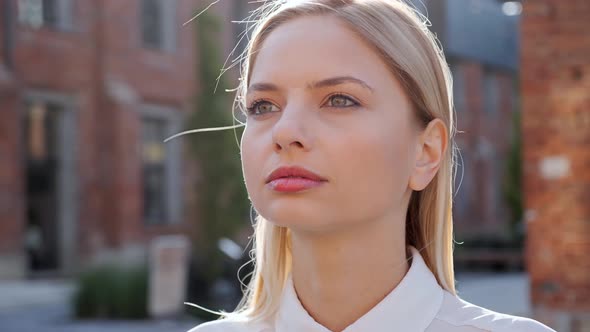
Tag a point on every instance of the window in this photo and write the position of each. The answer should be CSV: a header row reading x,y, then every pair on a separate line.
x,y
160,165
463,185
38,119
458,87
42,169
154,171
51,13
158,24
151,21
499,176
50,155
491,92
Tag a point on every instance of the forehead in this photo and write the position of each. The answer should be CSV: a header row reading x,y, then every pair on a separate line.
x,y
313,48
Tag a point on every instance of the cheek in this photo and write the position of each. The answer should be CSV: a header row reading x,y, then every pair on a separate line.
x,y
255,152
376,175
249,159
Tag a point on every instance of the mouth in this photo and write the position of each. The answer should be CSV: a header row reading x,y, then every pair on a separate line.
x,y
293,179
293,184
294,172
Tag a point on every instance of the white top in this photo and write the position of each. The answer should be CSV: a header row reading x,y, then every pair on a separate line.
x,y
417,304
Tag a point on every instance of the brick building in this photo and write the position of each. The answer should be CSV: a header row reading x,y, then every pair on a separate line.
x,y
88,91
556,126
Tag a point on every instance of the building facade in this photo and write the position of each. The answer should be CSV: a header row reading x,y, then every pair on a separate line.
x,y
89,89
556,126
88,92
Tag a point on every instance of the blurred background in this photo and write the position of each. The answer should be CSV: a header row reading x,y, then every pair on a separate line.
x,y
104,227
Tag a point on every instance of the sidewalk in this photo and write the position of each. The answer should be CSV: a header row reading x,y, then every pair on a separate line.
x,y
28,293
33,306
506,293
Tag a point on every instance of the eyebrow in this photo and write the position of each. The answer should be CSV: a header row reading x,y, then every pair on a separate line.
x,y
313,85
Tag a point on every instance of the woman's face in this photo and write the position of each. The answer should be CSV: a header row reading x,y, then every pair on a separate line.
x,y
323,100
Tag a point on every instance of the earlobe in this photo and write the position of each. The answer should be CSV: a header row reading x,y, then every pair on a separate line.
x,y
431,149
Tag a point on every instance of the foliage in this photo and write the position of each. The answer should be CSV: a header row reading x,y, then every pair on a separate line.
x,y
513,181
222,202
112,291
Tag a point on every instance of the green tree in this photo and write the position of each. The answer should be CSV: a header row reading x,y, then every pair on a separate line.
x,y
222,201
513,179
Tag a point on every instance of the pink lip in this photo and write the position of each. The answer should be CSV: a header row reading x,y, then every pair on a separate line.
x,y
293,184
293,179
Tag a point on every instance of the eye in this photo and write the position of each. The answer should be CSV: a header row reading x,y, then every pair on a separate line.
x,y
260,107
340,100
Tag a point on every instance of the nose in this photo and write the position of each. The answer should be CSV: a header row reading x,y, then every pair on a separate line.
x,y
289,132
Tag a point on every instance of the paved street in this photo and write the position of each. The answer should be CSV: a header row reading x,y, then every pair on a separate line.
x,y
506,293
43,306
56,318
35,306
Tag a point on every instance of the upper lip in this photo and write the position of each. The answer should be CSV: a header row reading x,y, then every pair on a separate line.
x,y
293,171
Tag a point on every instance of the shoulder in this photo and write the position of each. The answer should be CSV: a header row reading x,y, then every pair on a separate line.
x,y
229,325
221,325
459,315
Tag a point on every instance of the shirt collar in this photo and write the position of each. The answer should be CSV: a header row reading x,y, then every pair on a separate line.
x,y
409,307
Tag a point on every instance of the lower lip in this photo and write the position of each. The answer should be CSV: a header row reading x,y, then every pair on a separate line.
x,y
293,184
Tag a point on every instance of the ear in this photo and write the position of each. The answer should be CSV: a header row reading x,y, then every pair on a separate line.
x,y
430,151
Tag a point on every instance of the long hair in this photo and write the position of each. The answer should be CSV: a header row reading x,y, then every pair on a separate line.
x,y
400,36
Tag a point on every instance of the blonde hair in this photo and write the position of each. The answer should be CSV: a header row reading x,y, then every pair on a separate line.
x,y
400,35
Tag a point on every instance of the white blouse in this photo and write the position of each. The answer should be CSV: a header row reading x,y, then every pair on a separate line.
x,y
418,303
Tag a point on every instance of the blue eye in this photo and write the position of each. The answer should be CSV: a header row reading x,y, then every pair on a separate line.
x,y
260,107
340,100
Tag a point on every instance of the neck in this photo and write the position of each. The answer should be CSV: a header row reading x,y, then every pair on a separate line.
x,y
368,262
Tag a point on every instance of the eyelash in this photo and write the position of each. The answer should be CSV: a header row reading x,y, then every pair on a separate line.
x,y
251,109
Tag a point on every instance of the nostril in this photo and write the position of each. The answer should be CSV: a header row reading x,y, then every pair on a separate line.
x,y
280,146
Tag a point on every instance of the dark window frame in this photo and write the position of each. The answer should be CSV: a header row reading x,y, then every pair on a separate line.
x,y
491,91
169,168
459,95
157,21
151,32
153,130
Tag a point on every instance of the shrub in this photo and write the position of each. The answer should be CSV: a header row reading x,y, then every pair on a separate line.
x,y
113,292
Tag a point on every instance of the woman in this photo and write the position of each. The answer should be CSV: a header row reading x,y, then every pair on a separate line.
x,y
348,160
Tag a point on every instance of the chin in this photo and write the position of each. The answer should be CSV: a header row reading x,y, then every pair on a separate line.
x,y
292,215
